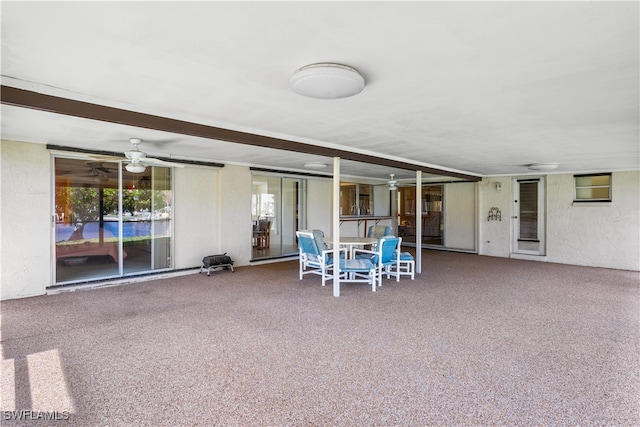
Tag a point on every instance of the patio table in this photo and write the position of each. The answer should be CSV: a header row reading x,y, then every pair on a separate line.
x,y
351,242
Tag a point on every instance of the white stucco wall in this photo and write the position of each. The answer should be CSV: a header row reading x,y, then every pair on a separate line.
x,y
460,216
234,227
597,234
494,237
212,214
594,234
319,205
195,215
25,222
381,197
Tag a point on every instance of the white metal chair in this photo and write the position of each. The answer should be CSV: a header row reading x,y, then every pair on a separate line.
x,y
378,232
358,271
315,258
406,265
386,257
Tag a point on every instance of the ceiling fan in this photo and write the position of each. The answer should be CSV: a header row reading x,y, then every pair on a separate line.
x,y
137,161
96,169
92,170
393,184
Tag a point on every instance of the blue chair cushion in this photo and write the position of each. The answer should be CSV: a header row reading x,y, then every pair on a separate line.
x,y
359,265
406,256
308,245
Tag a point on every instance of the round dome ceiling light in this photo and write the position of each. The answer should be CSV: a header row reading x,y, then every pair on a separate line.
x,y
543,166
315,165
327,81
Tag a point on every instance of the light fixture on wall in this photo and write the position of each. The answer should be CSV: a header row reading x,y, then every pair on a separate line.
x,y
327,81
393,184
542,166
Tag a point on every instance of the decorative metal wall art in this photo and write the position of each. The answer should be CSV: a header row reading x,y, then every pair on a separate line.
x,y
494,214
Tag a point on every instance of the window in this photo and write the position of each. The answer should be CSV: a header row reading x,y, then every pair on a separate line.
x,y
593,188
356,199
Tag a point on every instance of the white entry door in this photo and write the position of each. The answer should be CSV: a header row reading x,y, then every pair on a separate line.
x,y
528,216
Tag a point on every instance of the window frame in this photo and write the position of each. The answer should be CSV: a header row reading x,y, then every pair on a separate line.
x,y
358,200
577,187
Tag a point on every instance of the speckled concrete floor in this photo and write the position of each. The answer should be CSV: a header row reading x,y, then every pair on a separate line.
x,y
472,341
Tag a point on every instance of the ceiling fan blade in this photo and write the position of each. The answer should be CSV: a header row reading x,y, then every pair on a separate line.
x,y
101,157
149,161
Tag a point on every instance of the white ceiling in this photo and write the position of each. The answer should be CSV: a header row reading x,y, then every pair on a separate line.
x,y
482,88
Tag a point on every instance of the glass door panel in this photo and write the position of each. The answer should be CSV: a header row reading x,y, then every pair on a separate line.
x,y
109,222
407,214
290,215
432,218
265,213
276,214
146,220
86,238
528,221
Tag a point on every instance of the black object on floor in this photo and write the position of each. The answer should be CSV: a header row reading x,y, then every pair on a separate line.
x,y
220,261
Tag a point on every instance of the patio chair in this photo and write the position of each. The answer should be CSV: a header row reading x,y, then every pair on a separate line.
x,y
378,232
358,270
386,257
315,258
407,265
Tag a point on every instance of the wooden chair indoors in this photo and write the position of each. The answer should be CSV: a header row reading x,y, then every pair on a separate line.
x,y
261,235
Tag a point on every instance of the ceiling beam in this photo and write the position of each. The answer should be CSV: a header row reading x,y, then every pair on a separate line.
x,y
70,107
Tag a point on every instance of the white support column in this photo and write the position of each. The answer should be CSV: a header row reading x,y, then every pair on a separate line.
x,y
418,221
336,226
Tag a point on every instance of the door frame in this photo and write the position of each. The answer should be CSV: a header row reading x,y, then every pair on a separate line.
x,y
518,246
106,272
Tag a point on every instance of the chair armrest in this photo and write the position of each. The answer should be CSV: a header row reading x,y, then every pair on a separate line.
x,y
327,252
367,251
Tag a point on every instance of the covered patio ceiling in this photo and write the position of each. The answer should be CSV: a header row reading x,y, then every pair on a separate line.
x,y
456,89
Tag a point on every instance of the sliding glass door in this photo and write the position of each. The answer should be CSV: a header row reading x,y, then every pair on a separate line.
x,y
108,222
432,215
146,221
277,212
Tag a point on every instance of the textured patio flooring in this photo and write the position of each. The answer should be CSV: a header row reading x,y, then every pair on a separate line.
x,y
472,341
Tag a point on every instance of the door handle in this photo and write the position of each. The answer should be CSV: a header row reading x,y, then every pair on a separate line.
x,y
514,217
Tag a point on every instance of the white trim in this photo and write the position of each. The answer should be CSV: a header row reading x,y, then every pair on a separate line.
x,y
602,204
527,257
119,281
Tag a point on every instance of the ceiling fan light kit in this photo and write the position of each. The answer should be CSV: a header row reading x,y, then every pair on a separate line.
x,y
327,81
135,168
393,184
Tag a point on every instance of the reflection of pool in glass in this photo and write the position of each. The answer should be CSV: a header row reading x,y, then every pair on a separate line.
x,y
129,229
